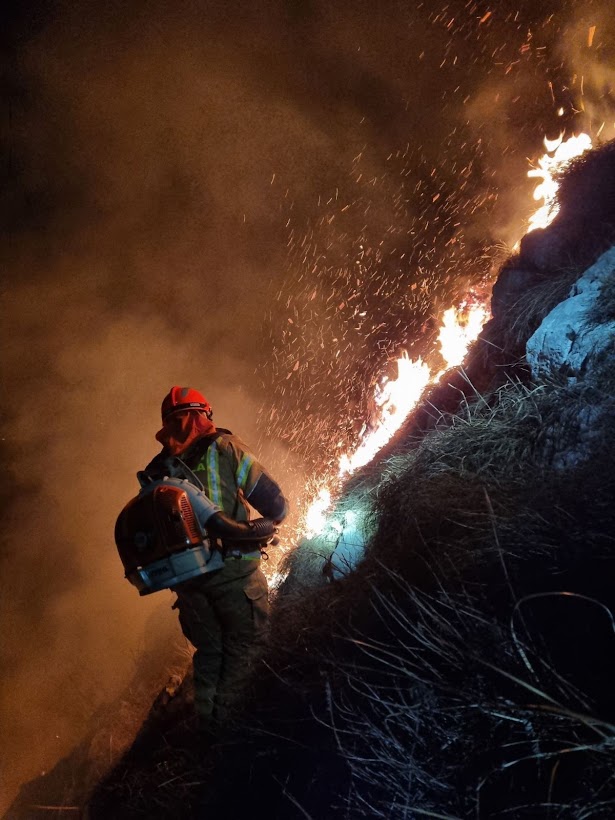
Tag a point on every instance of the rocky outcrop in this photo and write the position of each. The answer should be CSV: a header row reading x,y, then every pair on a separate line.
x,y
575,345
572,340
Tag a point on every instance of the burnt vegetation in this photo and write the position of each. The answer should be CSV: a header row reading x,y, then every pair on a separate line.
x,y
465,669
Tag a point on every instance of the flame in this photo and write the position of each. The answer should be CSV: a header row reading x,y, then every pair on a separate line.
x,y
316,511
459,328
395,398
559,154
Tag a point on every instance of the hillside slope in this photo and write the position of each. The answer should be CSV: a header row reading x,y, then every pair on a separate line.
x,y
465,668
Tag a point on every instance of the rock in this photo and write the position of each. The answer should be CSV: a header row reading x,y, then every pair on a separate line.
x,y
568,342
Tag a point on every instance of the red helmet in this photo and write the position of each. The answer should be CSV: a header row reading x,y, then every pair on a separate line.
x,y
184,398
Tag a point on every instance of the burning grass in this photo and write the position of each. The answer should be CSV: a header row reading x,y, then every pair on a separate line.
x,y
464,669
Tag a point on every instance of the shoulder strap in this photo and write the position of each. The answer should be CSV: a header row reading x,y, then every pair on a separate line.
x,y
192,456
171,467
164,464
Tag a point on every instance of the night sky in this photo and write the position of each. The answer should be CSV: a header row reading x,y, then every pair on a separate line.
x,y
266,201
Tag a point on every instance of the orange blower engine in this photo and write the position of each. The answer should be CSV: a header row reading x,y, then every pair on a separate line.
x,y
171,532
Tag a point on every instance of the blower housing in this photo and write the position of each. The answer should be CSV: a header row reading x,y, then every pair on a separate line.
x,y
172,532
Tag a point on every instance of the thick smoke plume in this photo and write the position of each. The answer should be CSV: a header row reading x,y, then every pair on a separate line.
x,y
262,201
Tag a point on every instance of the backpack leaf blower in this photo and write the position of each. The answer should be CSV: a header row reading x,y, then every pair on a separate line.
x,y
172,532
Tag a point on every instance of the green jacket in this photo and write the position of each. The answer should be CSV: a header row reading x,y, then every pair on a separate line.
x,y
228,471
232,477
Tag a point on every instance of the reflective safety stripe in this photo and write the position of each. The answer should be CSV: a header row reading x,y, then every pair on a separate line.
x,y
243,469
213,475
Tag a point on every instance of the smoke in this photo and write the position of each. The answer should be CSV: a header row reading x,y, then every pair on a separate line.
x,y
588,43
262,202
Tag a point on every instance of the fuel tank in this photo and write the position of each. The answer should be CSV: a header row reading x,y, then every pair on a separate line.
x,y
161,535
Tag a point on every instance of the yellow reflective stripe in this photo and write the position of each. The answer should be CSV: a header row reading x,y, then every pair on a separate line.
x,y
214,485
243,469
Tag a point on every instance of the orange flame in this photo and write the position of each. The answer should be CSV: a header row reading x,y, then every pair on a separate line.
x,y
460,327
559,154
395,399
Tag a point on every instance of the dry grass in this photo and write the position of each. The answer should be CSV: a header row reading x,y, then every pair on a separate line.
x,y
586,190
524,316
465,726
475,525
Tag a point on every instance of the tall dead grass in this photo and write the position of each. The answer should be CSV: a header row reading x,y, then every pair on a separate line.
x,y
525,314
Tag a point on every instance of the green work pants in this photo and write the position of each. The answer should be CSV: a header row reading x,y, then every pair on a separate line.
x,y
224,615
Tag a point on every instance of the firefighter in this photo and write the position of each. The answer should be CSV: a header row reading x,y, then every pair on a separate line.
x,y
224,613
